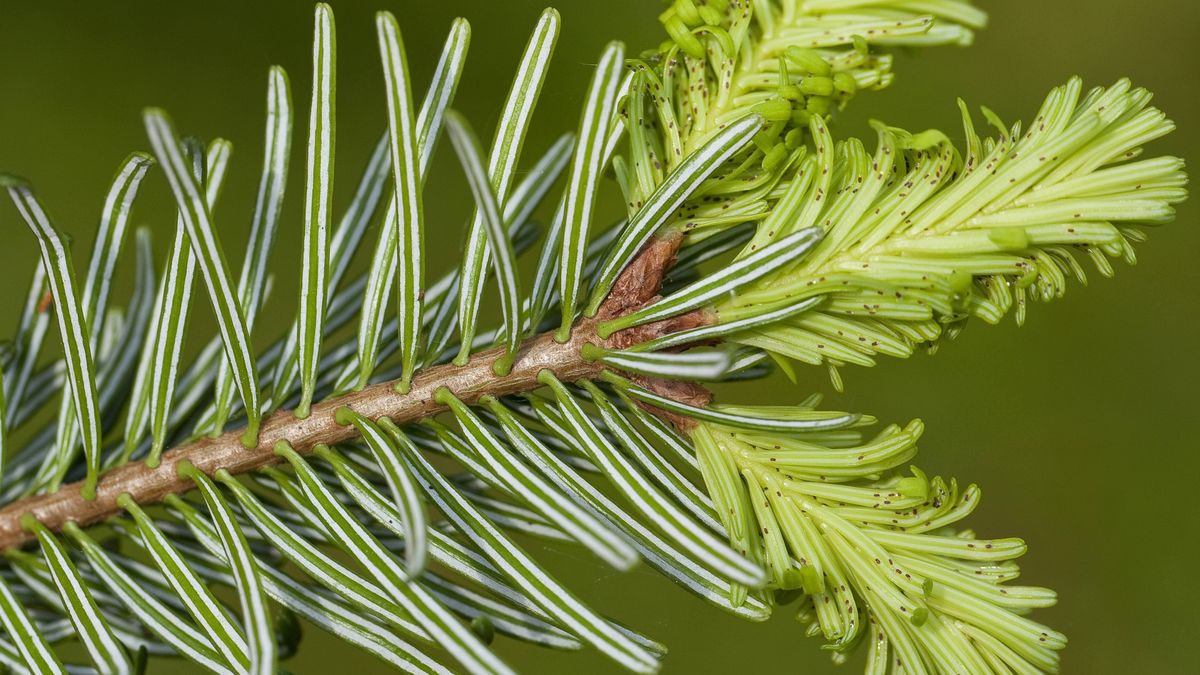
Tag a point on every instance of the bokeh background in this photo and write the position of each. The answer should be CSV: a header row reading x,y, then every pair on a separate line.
x,y
1080,425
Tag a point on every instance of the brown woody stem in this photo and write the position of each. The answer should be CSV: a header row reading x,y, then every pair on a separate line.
x,y
636,286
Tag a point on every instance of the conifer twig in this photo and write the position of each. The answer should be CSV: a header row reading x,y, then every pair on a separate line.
x,y
638,285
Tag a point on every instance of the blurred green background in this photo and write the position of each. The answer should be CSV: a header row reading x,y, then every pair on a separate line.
x,y
1078,426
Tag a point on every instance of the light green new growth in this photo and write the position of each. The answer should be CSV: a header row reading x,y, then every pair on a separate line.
x,y
921,236
753,241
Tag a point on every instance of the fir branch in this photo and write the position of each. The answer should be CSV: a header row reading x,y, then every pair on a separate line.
x,y
470,383
720,143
